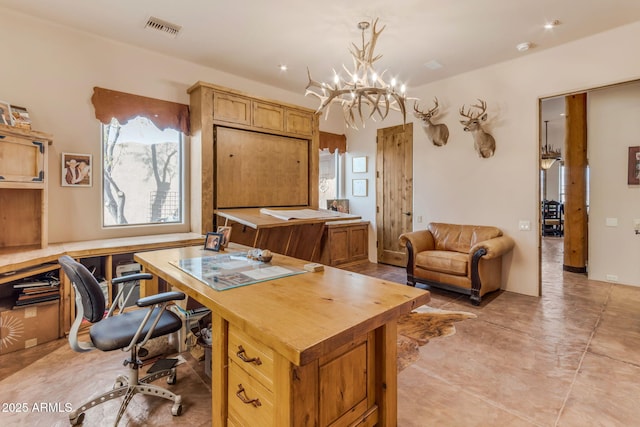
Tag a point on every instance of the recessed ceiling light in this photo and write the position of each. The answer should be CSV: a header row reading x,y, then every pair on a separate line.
x,y
283,67
549,25
523,47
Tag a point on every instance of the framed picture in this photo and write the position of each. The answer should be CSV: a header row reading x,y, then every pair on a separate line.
x,y
634,166
338,205
76,170
359,164
212,241
359,187
5,114
226,235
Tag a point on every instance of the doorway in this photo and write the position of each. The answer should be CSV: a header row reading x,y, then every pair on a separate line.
x,y
394,191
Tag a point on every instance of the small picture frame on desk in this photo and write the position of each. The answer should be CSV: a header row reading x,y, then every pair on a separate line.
x,y
226,235
212,241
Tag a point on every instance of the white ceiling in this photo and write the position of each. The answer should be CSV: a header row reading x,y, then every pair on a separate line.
x,y
250,38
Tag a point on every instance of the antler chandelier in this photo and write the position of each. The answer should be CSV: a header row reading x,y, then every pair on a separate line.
x,y
364,88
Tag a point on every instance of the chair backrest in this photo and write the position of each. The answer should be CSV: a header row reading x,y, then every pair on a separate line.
x,y
84,283
551,209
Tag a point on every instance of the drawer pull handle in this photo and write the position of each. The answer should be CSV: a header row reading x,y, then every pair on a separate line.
x,y
242,354
242,395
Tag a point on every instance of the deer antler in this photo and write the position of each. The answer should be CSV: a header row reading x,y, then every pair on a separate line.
x,y
482,107
428,114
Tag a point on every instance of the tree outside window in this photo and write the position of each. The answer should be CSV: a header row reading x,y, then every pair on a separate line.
x,y
142,173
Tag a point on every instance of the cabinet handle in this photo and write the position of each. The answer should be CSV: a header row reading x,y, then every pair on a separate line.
x,y
242,395
242,354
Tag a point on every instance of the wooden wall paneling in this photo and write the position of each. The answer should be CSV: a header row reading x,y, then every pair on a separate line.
x,y
256,169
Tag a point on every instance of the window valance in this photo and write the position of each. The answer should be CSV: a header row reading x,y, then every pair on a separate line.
x,y
125,106
333,142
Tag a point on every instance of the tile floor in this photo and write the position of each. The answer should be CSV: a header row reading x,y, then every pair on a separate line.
x,y
569,358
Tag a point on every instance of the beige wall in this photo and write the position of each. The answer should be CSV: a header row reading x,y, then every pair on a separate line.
x,y
614,126
452,184
52,70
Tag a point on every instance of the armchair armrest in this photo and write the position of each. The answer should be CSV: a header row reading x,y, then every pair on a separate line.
x,y
420,240
494,248
160,298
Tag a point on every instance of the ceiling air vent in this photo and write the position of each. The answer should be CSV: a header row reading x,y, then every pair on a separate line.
x,y
167,28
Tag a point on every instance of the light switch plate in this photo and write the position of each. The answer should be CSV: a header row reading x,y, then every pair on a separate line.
x,y
524,225
612,222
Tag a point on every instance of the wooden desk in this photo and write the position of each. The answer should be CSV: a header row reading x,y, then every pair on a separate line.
x,y
298,238
326,340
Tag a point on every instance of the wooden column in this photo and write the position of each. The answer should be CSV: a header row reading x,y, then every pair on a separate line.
x,y
575,169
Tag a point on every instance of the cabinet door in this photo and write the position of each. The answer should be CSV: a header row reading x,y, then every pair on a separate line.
x,y
358,242
299,122
232,108
21,159
339,245
268,116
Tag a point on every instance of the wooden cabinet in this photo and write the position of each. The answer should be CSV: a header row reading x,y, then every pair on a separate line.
x,y
232,108
268,116
298,122
23,188
281,168
345,242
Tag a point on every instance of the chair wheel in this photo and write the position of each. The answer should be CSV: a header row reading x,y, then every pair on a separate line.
x,y
77,420
176,410
117,384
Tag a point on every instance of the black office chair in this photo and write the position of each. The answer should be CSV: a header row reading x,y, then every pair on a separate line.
x,y
124,330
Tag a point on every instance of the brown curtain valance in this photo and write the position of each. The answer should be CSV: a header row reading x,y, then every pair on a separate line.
x,y
125,106
333,142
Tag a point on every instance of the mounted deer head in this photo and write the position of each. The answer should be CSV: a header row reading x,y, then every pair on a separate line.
x,y
483,142
438,133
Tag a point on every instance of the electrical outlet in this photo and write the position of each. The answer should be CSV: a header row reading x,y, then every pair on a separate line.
x,y
524,225
611,278
419,219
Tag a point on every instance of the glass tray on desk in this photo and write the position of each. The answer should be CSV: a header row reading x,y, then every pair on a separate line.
x,y
227,271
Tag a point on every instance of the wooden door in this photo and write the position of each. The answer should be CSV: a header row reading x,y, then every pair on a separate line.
x,y
394,191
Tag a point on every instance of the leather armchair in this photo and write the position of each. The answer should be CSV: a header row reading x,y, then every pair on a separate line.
x,y
459,258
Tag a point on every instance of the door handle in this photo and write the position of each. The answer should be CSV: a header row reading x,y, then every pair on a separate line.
x,y
406,213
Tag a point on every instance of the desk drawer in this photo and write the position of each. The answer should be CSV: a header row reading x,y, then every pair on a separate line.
x,y
250,403
258,358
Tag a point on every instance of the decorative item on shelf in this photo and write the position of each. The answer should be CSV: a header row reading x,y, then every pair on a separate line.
x,y
438,133
212,241
359,164
359,187
364,87
76,170
483,142
548,154
5,114
20,117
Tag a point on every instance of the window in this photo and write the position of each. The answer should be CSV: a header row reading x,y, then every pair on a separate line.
x,y
331,177
142,173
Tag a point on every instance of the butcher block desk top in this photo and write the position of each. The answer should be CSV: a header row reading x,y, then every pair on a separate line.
x,y
302,316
